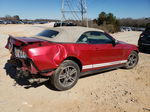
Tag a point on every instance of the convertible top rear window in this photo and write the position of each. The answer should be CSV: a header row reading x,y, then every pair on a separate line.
x,y
48,33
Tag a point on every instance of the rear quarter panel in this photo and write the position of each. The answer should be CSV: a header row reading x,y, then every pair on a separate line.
x,y
52,55
46,57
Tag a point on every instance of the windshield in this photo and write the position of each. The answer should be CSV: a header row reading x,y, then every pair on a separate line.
x,y
48,33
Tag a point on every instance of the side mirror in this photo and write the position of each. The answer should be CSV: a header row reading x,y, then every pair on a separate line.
x,y
115,42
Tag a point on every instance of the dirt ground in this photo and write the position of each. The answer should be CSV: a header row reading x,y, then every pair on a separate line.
x,y
113,91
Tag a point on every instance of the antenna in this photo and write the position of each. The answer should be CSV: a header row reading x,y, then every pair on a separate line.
x,y
74,10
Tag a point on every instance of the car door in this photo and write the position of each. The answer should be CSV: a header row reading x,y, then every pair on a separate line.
x,y
84,52
104,53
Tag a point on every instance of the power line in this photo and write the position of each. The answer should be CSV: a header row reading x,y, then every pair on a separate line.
x,y
76,9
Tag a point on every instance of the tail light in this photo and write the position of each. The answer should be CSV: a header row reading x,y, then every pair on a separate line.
x,y
19,53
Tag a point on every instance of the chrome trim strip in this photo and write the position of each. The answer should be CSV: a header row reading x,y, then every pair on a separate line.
x,y
104,64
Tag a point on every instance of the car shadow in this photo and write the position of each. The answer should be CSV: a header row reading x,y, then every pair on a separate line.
x,y
49,85
97,73
11,71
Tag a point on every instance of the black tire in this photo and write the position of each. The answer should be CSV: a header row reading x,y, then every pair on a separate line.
x,y
66,75
132,61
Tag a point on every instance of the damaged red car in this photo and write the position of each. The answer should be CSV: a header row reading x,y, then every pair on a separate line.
x,y
64,54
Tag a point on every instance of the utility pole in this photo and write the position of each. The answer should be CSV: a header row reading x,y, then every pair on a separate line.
x,y
62,12
75,9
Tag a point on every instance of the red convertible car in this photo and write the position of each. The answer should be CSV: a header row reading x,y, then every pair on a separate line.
x,y
64,54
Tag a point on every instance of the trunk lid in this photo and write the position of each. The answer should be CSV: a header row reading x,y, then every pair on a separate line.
x,y
21,41
26,40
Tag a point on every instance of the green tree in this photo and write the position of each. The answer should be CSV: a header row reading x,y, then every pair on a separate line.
x,y
108,22
110,19
102,18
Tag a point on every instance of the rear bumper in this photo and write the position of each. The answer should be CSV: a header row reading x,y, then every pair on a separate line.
x,y
28,65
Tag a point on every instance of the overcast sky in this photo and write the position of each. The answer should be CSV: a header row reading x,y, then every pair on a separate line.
x,y
33,9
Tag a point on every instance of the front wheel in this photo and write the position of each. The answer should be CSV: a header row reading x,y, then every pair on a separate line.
x,y
132,60
66,75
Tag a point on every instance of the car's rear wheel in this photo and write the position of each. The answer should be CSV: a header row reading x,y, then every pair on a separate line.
x,y
66,75
132,60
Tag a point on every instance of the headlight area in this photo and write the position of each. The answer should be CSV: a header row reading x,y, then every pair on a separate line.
x,y
19,53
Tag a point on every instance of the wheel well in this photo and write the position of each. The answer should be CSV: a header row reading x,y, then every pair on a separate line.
x,y
75,60
136,51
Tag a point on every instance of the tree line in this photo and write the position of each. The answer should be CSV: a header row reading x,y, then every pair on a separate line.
x,y
109,22
10,18
105,21
17,18
142,22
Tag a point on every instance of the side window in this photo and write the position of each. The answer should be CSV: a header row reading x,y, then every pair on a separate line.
x,y
94,37
83,39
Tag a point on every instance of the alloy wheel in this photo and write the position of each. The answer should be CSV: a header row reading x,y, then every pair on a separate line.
x,y
132,60
67,76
